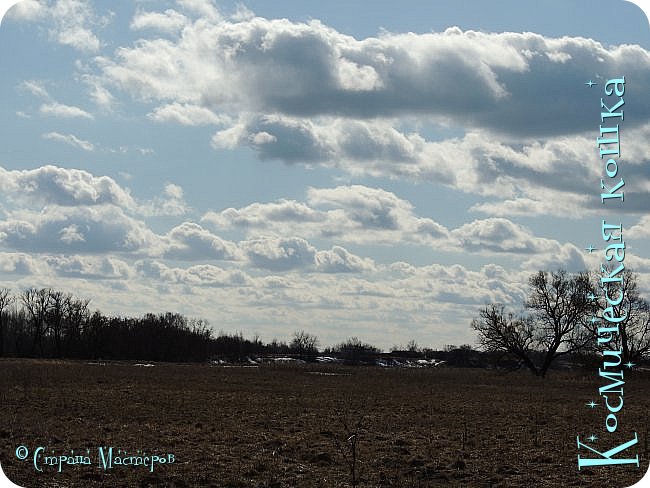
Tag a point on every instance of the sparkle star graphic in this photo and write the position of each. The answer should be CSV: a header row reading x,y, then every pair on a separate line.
x,y
592,438
590,83
592,404
591,297
590,248
629,364
594,320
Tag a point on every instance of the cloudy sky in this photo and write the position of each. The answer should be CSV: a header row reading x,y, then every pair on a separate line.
x,y
351,171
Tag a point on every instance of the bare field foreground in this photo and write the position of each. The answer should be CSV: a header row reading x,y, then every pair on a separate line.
x,y
305,426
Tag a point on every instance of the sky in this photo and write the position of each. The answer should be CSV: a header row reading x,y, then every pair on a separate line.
x,y
380,172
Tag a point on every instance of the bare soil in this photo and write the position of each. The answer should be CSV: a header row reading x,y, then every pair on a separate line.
x,y
295,426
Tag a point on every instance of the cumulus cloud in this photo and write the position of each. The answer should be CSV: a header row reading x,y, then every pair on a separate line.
x,y
501,235
641,229
169,21
339,260
100,229
53,185
356,214
306,93
172,203
475,163
62,186
294,253
279,254
205,9
21,264
198,275
567,256
90,267
473,79
190,241
457,284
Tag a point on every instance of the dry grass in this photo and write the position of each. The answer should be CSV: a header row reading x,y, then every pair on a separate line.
x,y
277,426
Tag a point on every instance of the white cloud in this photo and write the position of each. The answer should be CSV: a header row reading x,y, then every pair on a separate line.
x,y
339,260
27,10
52,185
78,37
202,8
198,275
90,267
71,234
100,229
34,87
99,94
355,214
61,186
69,139
279,254
186,115
640,230
304,93
472,79
69,22
190,241
171,203
74,20
170,21
21,264
501,235
65,111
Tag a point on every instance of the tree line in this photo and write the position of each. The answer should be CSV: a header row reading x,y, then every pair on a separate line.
x,y
50,323
558,319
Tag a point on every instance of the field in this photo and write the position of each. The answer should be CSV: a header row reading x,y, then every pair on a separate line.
x,y
294,426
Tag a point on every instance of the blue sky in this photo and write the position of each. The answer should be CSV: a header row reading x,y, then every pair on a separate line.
x,y
351,171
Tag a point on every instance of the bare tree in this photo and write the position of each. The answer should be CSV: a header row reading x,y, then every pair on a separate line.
x,y
304,343
505,333
554,324
633,337
561,310
37,303
76,313
412,346
5,300
55,313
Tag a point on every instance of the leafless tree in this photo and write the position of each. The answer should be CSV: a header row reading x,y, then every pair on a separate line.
x,y
5,300
560,309
37,303
633,337
76,313
506,333
304,343
55,315
554,323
